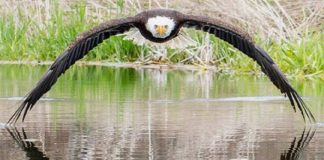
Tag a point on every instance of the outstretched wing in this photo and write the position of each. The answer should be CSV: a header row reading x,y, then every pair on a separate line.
x,y
77,50
242,41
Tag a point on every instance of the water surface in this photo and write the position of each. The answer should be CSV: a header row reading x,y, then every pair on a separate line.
x,y
115,113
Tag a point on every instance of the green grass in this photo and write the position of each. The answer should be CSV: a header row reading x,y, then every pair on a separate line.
x,y
299,58
25,39
29,41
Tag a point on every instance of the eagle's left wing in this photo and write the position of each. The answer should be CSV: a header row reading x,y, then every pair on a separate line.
x,y
242,41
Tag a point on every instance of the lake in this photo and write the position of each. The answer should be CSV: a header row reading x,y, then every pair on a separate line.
x,y
97,112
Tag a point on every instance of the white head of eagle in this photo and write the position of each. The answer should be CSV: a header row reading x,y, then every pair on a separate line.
x,y
160,26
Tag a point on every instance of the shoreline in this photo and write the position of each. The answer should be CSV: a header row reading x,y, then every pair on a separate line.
x,y
163,66
122,65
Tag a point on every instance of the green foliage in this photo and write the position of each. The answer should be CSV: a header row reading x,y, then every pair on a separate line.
x,y
300,58
28,40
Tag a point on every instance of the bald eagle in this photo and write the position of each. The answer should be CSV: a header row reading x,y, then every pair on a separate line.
x,y
161,25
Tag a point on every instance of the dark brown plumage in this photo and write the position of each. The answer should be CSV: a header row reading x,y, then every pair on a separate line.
x,y
90,39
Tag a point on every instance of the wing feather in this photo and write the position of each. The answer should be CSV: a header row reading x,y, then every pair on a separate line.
x,y
77,50
243,42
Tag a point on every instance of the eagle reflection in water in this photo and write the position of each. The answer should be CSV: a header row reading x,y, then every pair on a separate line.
x,y
297,147
32,152
294,152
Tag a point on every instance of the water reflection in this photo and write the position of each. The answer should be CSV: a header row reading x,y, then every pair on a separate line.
x,y
109,113
35,152
298,145
25,144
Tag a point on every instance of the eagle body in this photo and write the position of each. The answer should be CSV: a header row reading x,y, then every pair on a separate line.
x,y
161,26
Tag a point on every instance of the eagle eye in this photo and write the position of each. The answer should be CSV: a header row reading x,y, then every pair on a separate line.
x,y
166,26
155,26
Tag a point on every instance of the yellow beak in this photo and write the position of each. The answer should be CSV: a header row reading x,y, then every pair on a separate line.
x,y
160,30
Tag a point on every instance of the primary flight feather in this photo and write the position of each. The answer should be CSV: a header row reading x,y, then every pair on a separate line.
x,y
160,26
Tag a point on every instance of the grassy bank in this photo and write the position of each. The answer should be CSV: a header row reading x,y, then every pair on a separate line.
x,y
42,30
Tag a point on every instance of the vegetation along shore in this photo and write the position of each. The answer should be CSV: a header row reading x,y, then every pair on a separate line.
x,y
291,31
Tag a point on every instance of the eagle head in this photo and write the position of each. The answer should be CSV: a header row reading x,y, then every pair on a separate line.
x,y
160,26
